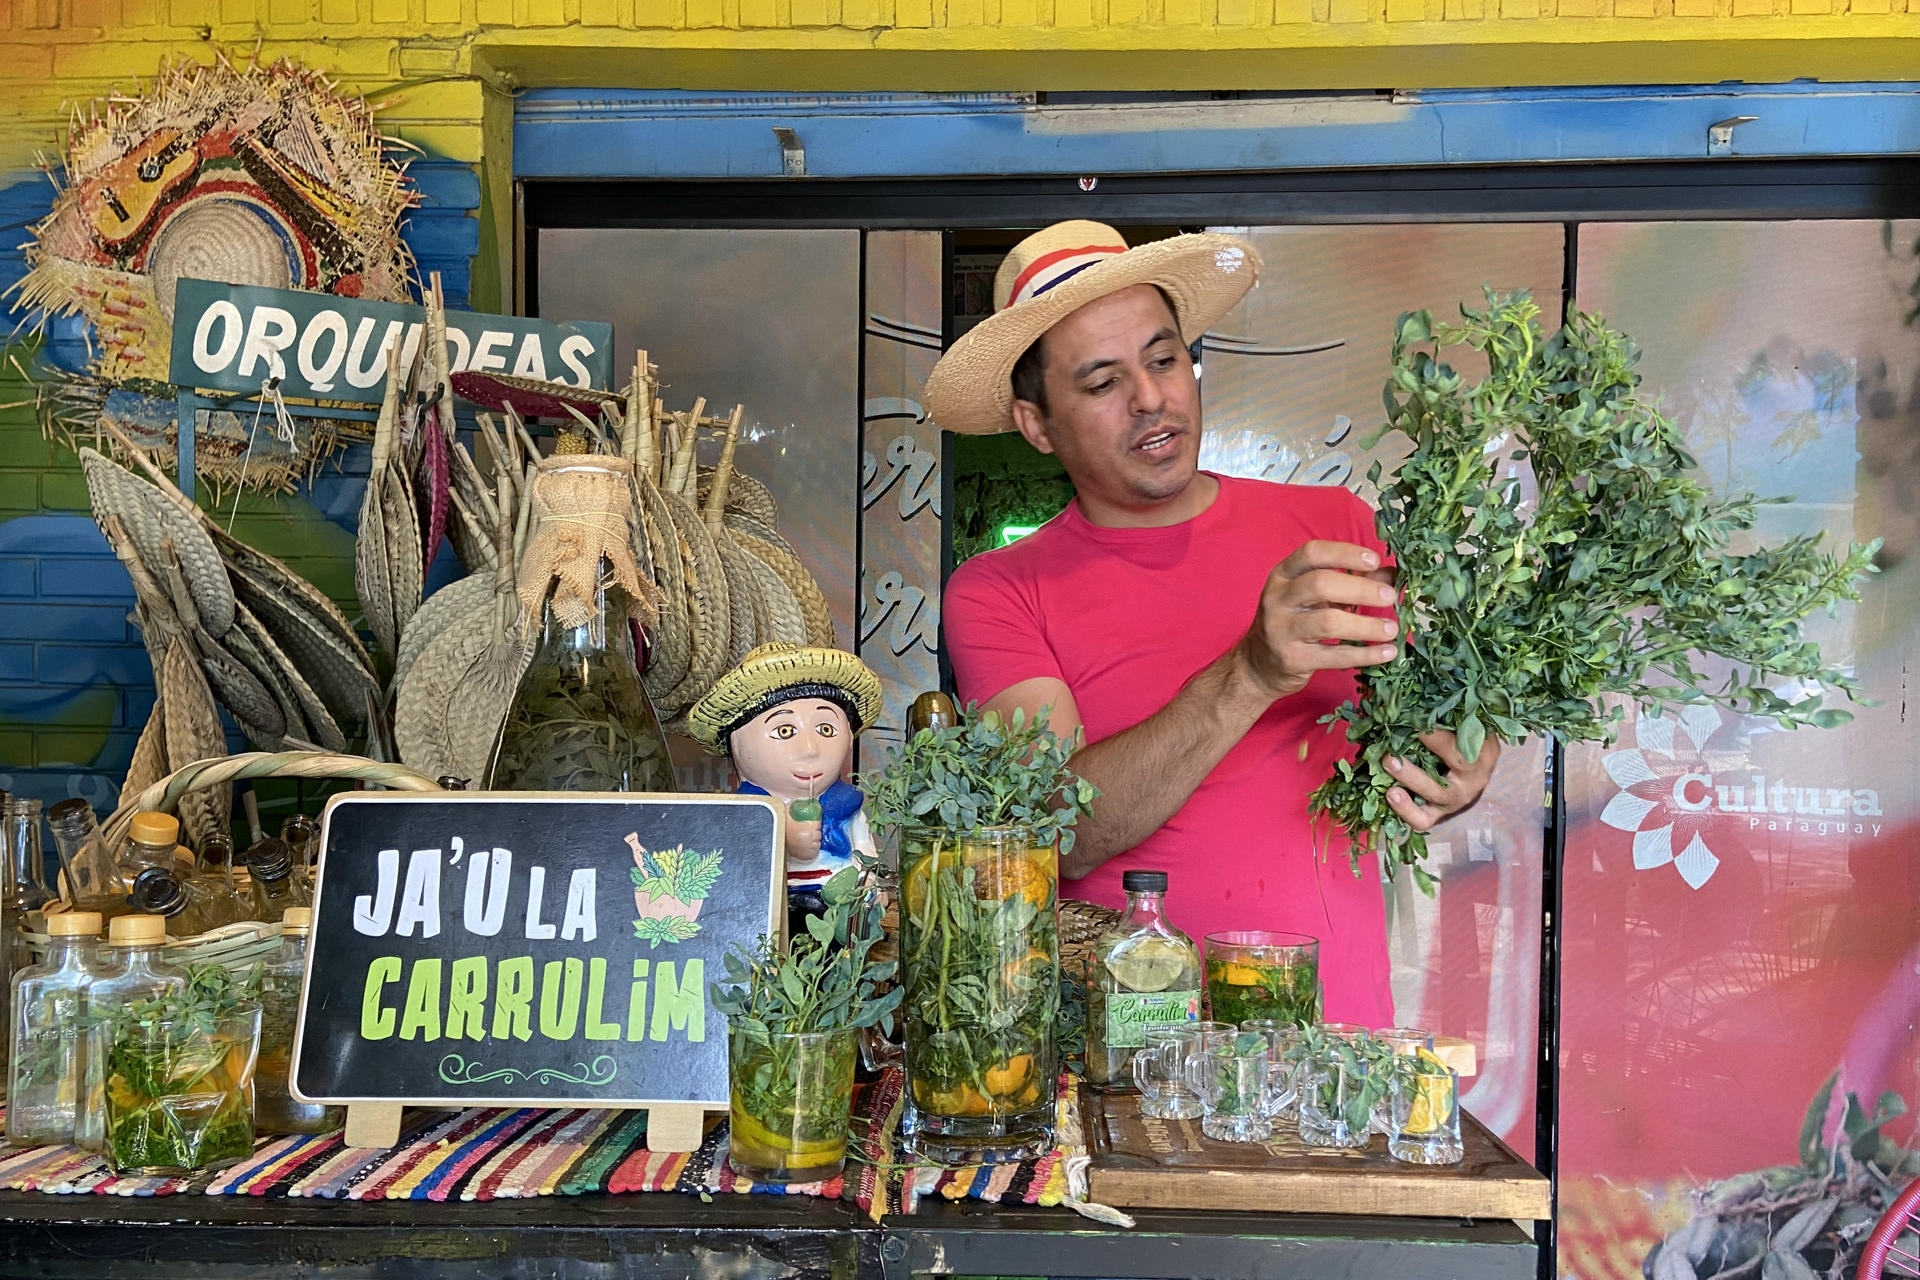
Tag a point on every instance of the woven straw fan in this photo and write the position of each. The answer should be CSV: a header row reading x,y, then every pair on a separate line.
x,y
149,516
387,572
745,496
670,643
776,613
298,615
457,688
708,607
253,708
431,475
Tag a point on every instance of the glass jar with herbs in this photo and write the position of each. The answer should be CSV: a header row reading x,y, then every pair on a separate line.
x,y
132,971
46,1088
1143,972
580,719
973,805
793,1023
176,1074
275,1109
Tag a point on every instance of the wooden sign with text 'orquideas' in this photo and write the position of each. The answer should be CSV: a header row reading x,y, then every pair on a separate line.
x,y
530,949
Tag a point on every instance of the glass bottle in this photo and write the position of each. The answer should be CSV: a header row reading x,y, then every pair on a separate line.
x,y
275,1109
173,897
302,835
23,885
275,886
46,1084
27,888
580,720
214,874
151,840
1142,972
132,970
92,878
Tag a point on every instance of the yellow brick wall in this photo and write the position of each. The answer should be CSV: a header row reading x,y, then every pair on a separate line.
x,y
447,67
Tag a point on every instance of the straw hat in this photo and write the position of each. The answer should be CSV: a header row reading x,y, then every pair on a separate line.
x,y
776,673
1055,272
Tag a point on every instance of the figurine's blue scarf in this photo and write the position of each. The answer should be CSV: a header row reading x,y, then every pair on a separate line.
x,y
837,806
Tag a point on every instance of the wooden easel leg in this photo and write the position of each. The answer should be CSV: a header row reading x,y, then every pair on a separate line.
x,y
676,1127
373,1124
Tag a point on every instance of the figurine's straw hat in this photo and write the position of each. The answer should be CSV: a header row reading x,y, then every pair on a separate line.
x,y
1055,272
783,672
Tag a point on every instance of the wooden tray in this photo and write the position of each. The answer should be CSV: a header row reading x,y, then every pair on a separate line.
x,y
1144,1163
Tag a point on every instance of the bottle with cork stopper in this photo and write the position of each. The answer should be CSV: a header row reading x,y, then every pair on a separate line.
x,y
275,1108
46,1086
135,970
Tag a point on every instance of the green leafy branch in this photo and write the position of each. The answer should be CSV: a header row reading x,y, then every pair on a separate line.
x,y
1520,617
983,771
826,979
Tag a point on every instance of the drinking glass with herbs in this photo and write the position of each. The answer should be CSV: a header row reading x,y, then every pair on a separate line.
x,y
1260,974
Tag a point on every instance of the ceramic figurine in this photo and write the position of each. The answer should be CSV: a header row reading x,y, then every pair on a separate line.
x,y
786,717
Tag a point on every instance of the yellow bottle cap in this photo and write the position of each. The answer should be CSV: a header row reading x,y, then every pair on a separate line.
x,y
297,920
136,931
74,924
155,828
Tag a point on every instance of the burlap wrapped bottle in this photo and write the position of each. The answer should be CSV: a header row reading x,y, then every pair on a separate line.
x,y
580,720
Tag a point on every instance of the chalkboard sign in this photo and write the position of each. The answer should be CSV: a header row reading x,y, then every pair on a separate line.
x,y
529,949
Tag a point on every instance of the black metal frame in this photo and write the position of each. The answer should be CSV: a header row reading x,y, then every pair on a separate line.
x,y
1733,189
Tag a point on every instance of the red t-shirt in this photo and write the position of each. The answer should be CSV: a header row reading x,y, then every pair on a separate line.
x,y
1125,617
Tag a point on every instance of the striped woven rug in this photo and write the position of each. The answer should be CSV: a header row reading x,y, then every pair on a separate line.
x,y
494,1153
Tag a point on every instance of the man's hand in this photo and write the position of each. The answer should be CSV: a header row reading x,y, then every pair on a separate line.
x,y
1307,609
1422,800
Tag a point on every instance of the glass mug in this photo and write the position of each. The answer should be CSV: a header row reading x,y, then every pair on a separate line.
x,y
1167,1068
1281,1094
1331,1089
1233,1089
1425,1105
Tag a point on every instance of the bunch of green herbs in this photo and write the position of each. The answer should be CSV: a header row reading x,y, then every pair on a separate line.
x,y
825,979
985,770
176,1072
1367,1065
1519,616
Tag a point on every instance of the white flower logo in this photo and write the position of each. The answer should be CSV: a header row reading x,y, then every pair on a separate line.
x,y
1655,792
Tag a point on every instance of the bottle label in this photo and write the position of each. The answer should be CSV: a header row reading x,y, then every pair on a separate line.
x,y
1130,1013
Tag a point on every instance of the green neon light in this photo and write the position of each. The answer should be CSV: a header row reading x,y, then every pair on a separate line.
x,y
1012,533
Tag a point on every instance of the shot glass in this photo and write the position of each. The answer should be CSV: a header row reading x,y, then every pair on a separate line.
x,y
1233,1080
1163,1073
1426,1116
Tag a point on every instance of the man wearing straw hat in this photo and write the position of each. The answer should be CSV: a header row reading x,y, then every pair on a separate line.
x,y
1190,623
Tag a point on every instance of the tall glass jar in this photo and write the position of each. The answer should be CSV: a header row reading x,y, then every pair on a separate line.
x,y
132,971
1142,972
981,953
46,1085
275,1108
580,719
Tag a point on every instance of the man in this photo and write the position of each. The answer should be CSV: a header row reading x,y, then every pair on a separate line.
x,y
1197,627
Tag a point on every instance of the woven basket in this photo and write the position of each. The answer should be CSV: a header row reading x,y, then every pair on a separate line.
x,y
239,945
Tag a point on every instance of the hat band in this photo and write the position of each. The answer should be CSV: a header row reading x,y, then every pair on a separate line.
x,y
1052,269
